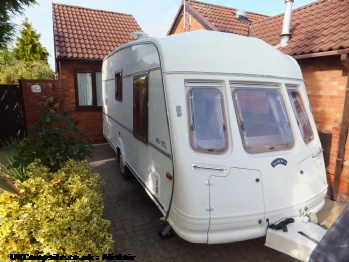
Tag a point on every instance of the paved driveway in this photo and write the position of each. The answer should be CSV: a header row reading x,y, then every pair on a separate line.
x,y
135,224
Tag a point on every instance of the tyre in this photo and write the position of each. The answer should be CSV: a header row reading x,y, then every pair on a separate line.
x,y
124,171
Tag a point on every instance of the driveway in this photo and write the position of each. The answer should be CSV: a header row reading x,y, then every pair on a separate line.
x,y
135,224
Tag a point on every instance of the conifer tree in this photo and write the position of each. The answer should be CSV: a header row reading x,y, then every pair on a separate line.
x,y
28,47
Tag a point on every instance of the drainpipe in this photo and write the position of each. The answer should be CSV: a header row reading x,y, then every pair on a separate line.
x,y
342,135
285,34
184,16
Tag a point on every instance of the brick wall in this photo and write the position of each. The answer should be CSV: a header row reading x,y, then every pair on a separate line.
x,y
326,80
34,101
89,122
191,24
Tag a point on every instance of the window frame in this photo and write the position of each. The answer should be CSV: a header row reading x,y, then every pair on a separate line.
x,y
194,145
137,127
296,114
241,124
94,105
118,85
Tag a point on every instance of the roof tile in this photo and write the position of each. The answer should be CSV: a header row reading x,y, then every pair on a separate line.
x,y
89,33
223,18
318,27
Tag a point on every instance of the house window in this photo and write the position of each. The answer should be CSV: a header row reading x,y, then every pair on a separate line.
x,y
118,86
140,107
207,120
301,115
88,85
263,120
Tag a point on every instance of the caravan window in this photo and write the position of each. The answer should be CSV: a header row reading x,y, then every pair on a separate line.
x,y
301,115
140,107
118,86
264,124
207,120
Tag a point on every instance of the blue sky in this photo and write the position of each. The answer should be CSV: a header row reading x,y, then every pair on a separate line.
x,y
154,16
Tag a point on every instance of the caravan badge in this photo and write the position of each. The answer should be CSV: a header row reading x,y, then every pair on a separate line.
x,y
279,161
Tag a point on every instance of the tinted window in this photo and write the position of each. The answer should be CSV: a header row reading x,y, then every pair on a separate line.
x,y
118,86
140,107
264,124
301,115
207,123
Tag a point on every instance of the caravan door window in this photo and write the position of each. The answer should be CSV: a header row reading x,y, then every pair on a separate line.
x,y
207,120
140,107
301,115
264,124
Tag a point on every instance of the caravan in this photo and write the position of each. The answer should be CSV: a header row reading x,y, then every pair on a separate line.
x,y
218,130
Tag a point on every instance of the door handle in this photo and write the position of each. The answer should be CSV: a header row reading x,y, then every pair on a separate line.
x,y
217,168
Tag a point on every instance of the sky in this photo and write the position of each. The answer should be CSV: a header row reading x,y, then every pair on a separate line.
x,y
154,16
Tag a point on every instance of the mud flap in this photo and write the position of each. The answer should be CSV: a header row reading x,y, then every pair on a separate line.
x,y
299,241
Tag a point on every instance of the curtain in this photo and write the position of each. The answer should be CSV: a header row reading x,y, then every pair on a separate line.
x,y
85,89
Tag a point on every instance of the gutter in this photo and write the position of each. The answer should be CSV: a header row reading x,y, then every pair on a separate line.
x,y
80,59
342,135
320,54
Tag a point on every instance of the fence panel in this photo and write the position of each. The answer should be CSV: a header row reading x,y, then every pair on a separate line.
x,y
12,119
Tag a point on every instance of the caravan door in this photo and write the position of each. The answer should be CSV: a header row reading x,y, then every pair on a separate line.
x,y
236,206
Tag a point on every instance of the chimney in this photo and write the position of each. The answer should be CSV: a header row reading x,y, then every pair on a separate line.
x,y
285,34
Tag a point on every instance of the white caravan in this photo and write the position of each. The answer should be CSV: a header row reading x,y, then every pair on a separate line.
x,y
218,130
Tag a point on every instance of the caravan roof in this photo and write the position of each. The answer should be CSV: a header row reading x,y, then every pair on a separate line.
x,y
221,53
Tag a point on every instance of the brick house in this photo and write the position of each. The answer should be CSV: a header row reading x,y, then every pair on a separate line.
x,y
320,43
82,38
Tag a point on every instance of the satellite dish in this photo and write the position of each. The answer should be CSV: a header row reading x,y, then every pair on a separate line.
x,y
139,35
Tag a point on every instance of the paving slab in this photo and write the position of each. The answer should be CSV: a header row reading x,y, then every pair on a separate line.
x,y
135,223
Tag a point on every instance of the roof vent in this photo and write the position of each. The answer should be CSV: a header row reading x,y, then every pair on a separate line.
x,y
241,16
139,35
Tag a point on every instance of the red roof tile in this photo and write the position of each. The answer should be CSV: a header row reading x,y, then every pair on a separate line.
x,y
82,33
318,27
216,17
223,18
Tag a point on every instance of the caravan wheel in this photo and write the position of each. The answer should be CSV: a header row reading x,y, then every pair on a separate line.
x,y
124,171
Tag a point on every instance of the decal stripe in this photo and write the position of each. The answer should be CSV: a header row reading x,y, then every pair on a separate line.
x,y
160,150
149,143
127,128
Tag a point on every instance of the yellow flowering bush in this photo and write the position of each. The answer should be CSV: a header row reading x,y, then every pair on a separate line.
x,y
57,213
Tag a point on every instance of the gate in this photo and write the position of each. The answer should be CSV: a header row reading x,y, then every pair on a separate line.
x,y
12,120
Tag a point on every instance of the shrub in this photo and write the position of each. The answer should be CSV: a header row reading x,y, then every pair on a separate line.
x,y
7,169
55,140
58,213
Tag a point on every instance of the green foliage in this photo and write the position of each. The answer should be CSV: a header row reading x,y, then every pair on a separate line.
x,y
6,58
11,74
7,169
28,47
7,10
28,60
58,213
54,141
